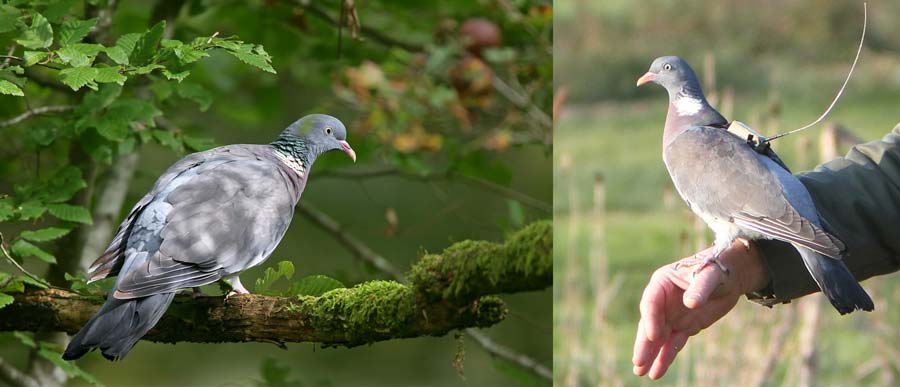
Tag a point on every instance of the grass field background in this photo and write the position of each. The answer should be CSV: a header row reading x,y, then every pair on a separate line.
x,y
605,255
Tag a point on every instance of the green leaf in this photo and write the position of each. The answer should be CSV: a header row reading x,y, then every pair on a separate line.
x,y
38,35
22,249
31,281
263,284
167,139
69,367
255,56
9,18
79,284
46,234
6,208
110,75
32,57
25,339
64,184
131,110
123,48
31,209
145,47
196,93
9,88
5,299
78,77
197,144
79,54
147,69
176,76
516,213
94,102
72,31
117,54
13,286
188,54
70,213
314,285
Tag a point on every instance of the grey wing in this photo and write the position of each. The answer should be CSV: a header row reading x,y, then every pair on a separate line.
x,y
721,176
219,220
110,262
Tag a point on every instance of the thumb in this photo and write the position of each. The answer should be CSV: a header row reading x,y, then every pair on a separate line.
x,y
701,287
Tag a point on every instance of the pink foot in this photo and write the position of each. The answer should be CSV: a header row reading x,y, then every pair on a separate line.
x,y
702,262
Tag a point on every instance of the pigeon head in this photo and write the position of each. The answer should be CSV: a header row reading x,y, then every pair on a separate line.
x,y
685,96
313,135
674,74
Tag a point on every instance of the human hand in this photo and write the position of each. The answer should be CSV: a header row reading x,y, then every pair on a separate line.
x,y
679,303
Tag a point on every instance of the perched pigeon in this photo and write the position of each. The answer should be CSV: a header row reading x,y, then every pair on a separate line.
x,y
741,193
210,216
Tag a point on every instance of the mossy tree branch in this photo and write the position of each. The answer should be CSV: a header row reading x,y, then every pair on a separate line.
x,y
369,312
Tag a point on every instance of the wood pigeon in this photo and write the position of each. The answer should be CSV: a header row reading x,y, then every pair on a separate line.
x,y
210,216
742,193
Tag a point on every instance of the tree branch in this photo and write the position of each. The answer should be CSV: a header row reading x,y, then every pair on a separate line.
x,y
502,352
359,249
35,112
369,312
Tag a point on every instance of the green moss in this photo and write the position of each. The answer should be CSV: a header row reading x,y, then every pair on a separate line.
x,y
469,269
379,306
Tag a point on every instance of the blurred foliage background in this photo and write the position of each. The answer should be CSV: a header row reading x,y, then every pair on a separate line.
x,y
447,105
773,65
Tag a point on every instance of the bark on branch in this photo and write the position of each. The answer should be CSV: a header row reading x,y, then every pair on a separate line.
x,y
369,312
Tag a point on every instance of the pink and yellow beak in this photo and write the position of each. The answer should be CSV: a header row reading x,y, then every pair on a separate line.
x,y
647,77
345,146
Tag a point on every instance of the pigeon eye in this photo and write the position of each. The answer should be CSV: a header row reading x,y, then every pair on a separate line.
x,y
328,130
667,67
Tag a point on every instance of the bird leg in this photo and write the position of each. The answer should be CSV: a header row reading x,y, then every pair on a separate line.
x,y
236,286
196,293
702,260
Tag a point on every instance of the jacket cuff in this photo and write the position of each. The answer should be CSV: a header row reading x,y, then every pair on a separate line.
x,y
788,277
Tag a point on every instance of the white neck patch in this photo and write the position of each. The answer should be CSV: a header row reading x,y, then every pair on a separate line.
x,y
291,162
687,106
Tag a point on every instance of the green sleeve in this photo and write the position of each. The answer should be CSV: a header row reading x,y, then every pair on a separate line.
x,y
858,198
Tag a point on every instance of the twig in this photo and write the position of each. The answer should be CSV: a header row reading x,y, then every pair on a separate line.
x,y
11,50
521,101
35,112
368,31
44,64
14,377
22,269
357,247
33,75
507,354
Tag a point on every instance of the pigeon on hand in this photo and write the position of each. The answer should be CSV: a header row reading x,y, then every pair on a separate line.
x,y
210,216
741,193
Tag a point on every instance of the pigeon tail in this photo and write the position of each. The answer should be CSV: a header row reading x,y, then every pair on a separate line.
x,y
118,325
836,281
